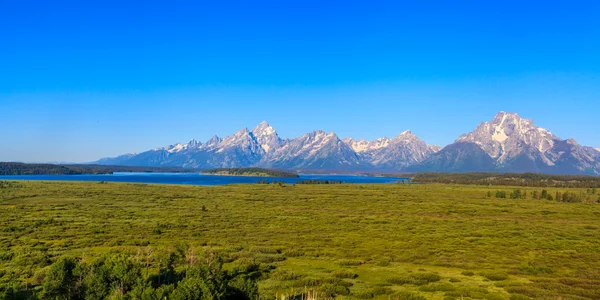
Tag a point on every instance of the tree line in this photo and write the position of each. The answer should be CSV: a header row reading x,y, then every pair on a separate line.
x,y
252,172
589,196
124,276
12,168
511,179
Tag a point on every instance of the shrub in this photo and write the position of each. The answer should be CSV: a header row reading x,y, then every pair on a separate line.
x,y
384,262
341,290
407,296
293,253
534,269
400,280
438,287
368,294
344,273
467,273
427,277
283,275
518,297
379,290
495,276
415,279
61,279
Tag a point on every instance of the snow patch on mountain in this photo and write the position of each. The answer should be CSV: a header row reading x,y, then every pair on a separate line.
x,y
507,143
514,144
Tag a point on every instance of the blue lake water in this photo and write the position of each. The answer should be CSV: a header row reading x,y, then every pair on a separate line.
x,y
198,179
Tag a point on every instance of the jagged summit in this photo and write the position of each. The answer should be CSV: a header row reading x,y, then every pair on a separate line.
x,y
506,143
406,135
262,146
506,133
510,143
263,129
267,137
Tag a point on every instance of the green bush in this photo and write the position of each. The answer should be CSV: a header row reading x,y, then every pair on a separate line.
x,y
427,277
438,287
344,273
415,279
283,275
495,276
518,297
407,296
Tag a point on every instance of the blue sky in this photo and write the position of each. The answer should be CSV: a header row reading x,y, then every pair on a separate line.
x,y
87,79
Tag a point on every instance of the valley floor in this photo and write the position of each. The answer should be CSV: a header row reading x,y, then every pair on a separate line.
x,y
354,241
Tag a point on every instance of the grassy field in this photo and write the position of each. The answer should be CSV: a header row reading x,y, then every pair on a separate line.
x,y
353,241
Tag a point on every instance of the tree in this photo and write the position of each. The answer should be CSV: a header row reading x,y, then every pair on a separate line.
x,y
516,194
62,280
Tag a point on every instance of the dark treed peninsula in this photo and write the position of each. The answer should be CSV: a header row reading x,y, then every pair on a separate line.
x,y
259,172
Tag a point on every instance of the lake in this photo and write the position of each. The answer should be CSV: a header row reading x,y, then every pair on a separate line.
x,y
198,179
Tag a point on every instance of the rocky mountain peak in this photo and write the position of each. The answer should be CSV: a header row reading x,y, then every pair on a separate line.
x,y
263,129
572,141
267,137
506,143
504,136
193,143
406,135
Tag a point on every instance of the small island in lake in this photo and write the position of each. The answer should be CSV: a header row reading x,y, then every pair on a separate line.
x,y
259,172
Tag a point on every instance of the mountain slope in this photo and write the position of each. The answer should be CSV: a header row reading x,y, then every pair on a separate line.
x,y
457,157
404,150
262,147
507,143
513,144
315,150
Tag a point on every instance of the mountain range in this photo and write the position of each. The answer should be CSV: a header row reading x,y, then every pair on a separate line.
x,y
507,143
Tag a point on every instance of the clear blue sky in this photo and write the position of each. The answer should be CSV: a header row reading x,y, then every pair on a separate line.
x,y
82,80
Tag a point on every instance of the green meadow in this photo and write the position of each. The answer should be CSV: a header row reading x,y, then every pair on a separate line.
x,y
351,241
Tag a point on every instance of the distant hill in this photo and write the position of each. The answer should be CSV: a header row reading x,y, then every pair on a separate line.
x,y
260,172
15,168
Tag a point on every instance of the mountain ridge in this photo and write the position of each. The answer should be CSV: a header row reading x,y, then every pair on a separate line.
x,y
507,143
510,143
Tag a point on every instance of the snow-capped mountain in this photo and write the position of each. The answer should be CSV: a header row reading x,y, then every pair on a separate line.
x,y
267,137
312,151
509,143
263,147
404,150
